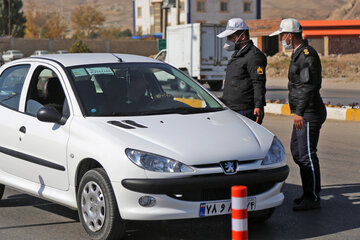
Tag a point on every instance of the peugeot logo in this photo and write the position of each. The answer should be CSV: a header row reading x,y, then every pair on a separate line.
x,y
229,167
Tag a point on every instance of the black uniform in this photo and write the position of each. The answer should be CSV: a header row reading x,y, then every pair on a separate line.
x,y
245,80
305,100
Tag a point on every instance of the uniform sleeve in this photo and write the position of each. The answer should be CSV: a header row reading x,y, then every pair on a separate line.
x,y
256,68
308,86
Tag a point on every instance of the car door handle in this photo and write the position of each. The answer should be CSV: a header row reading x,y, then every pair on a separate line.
x,y
22,129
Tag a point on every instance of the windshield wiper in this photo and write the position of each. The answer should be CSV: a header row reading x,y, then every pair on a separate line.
x,y
10,97
182,110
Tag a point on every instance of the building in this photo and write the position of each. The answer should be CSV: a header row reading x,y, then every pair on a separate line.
x,y
150,16
326,36
333,36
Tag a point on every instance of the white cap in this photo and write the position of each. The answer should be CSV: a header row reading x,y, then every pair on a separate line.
x,y
234,24
288,25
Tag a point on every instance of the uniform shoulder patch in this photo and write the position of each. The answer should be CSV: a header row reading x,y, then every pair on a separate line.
x,y
260,70
306,51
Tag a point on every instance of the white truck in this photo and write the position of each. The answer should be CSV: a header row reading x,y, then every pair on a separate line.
x,y
195,49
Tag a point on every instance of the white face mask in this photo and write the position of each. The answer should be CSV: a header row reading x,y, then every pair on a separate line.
x,y
230,46
285,45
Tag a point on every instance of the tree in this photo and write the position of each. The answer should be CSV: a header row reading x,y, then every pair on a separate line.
x,y
114,32
86,20
36,26
79,47
43,25
12,19
55,26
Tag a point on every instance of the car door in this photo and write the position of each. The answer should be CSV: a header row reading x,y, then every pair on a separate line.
x,y
44,143
12,81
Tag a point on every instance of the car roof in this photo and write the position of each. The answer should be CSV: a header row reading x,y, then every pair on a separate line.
x,y
75,59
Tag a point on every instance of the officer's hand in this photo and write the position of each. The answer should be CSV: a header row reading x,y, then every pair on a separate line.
x,y
259,114
299,122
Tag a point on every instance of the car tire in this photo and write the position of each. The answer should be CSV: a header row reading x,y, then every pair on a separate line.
x,y
261,215
97,207
215,85
2,188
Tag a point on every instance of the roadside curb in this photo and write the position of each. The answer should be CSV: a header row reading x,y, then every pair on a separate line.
x,y
349,114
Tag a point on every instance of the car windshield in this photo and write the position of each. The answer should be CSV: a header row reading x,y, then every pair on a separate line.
x,y
133,89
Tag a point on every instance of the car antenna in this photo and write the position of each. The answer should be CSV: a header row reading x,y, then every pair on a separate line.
x,y
119,59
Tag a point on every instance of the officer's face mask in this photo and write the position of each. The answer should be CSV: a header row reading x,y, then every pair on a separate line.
x,y
230,46
285,45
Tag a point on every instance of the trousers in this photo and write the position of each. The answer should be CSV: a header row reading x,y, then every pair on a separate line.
x,y
304,152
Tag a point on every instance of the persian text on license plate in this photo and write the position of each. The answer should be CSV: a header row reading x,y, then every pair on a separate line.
x,y
222,207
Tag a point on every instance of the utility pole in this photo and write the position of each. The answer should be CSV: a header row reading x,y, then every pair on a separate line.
x,y
9,12
177,12
165,20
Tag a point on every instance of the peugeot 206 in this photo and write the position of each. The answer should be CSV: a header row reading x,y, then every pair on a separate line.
x,y
103,134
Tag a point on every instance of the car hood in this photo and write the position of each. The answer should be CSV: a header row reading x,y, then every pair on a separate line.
x,y
191,138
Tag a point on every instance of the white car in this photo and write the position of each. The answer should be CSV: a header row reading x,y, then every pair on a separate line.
x,y
39,52
62,51
103,136
12,55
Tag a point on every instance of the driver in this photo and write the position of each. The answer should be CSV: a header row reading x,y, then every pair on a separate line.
x,y
137,89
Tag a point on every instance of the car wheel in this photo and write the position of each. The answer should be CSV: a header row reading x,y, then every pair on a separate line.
x,y
215,85
97,207
261,215
2,188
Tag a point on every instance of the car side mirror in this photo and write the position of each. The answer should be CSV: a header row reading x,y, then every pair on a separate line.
x,y
50,114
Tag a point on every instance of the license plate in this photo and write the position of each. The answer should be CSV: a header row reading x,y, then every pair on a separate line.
x,y
222,207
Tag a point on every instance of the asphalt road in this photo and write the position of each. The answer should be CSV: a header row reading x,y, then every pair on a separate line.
x,y
335,96
26,217
332,96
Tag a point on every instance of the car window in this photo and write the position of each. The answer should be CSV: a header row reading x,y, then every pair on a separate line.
x,y
45,90
138,89
11,83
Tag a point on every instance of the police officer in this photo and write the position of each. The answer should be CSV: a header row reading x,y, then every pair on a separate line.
x,y
308,108
244,89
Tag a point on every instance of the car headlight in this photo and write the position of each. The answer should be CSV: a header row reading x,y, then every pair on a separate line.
x,y
156,163
275,154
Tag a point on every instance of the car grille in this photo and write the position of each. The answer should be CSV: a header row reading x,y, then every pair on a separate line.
x,y
213,194
216,165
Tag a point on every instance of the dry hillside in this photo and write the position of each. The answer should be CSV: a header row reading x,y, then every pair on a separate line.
x,y
304,9
350,10
334,66
119,12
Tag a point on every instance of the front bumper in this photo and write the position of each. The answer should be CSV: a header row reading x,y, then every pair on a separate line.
x,y
181,198
176,185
